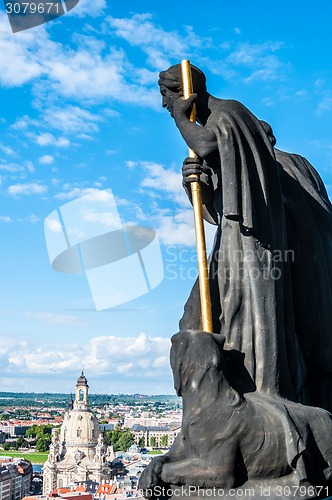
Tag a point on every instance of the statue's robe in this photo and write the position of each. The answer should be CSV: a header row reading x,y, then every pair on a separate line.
x,y
271,259
308,214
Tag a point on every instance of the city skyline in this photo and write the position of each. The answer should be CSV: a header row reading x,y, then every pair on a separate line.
x,y
81,112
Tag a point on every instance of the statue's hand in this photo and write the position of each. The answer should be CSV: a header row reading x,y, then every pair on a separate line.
x,y
183,106
191,170
150,477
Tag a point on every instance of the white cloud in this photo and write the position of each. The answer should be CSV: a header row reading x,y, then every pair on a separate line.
x,y
16,49
324,105
39,361
29,166
86,8
71,119
5,218
33,218
6,149
125,352
252,54
107,219
268,102
7,344
176,229
11,167
166,180
175,226
70,192
46,159
84,75
47,139
319,83
160,361
301,93
260,59
159,45
26,189
54,225
90,71
104,354
87,70
24,122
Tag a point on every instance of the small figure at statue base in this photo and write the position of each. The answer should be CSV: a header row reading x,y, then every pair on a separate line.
x,y
229,441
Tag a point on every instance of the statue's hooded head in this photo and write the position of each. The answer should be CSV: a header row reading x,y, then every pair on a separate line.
x,y
170,82
172,79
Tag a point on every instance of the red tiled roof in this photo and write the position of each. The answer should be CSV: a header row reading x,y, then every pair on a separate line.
x,y
61,491
106,489
77,495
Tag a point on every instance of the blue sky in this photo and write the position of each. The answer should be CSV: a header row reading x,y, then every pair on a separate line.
x,y
80,110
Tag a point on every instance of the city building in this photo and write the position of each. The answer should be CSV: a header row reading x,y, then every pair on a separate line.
x,y
152,436
14,430
15,478
79,454
129,422
5,483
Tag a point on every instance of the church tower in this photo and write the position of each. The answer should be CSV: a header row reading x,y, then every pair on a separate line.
x,y
79,454
82,393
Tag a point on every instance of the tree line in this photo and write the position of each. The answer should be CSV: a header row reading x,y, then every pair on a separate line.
x,y
41,433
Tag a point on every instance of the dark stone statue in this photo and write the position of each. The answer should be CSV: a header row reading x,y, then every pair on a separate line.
x,y
249,390
271,265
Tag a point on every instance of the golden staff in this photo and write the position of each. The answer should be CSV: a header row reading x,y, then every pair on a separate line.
x,y
203,276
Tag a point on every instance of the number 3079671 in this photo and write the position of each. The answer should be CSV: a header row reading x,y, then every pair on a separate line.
x,y
32,8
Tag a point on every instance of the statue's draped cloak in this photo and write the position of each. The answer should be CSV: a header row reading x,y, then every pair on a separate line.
x,y
308,214
272,258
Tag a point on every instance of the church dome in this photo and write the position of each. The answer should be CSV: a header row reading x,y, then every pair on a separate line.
x,y
80,453
81,428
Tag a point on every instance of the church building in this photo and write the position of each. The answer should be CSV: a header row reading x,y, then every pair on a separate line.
x,y
79,454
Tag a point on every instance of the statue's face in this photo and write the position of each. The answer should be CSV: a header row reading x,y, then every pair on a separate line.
x,y
168,97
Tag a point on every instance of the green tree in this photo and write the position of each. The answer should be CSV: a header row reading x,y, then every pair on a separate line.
x,y
19,442
6,446
120,439
153,441
37,431
32,431
126,440
43,442
141,442
164,441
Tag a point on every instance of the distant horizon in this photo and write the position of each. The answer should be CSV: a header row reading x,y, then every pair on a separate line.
x,y
90,394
